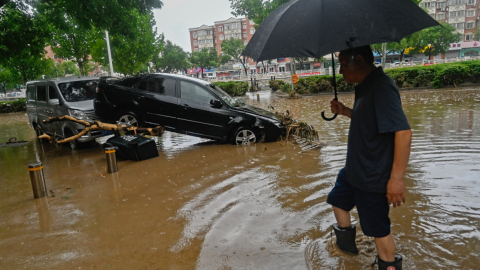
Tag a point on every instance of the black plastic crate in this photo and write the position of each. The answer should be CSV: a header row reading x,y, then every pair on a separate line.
x,y
133,147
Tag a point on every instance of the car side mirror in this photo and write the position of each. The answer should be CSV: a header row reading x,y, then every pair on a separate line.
x,y
215,103
54,101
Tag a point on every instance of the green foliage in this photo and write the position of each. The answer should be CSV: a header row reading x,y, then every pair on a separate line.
x,y
205,58
7,80
22,41
313,85
119,17
256,10
13,106
275,85
70,40
437,75
173,58
436,39
70,68
233,88
130,53
232,49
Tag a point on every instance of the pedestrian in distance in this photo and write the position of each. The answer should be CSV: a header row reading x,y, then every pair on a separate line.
x,y
378,150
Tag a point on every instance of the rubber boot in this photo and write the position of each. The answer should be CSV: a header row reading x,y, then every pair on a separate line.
x,y
383,265
346,238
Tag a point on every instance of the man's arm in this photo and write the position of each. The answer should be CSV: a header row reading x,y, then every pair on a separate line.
x,y
339,108
395,186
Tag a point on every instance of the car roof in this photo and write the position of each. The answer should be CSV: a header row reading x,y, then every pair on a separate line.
x,y
176,76
66,79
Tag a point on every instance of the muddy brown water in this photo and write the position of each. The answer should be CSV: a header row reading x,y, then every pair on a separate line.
x,y
202,205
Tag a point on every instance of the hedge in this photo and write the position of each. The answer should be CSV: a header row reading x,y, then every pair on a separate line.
x,y
234,88
13,106
434,76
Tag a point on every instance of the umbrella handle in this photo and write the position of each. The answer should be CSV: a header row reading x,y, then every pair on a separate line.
x,y
328,119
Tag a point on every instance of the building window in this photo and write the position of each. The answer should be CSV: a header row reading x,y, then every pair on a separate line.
x,y
195,43
440,16
458,25
221,37
251,22
271,69
432,15
281,69
441,5
245,43
469,37
252,31
196,49
209,33
220,29
245,34
195,35
244,26
453,14
470,13
470,25
471,2
457,2
55,56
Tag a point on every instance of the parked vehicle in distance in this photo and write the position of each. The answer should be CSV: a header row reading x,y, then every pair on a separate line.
x,y
59,97
184,105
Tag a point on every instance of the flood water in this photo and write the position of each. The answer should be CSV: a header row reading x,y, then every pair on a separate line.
x,y
203,205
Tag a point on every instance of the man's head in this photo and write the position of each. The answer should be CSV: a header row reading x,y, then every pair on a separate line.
x,y
356,64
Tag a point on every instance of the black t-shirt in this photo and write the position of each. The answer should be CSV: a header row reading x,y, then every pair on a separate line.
x,y
377,114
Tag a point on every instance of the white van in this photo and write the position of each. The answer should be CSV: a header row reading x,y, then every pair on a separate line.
x,y
58,97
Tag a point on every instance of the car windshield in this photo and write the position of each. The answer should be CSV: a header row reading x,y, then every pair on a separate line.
x,y
234,102
78,90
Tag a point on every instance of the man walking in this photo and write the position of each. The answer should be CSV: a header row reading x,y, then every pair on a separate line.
x,y
377,155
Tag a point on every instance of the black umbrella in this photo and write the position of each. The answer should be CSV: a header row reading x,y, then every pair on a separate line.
x,y
314,28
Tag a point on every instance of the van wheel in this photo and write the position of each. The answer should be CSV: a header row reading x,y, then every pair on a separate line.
x,y
244,136
129,119
73,144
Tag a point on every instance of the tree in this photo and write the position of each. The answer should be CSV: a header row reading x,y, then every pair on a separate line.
x,y
7,80
70,68
205,58
22,42
232,49
130,54
70,40
435,40
256,10
173,58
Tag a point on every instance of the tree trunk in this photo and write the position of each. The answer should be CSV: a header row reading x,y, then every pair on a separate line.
x,y
81,67
384,54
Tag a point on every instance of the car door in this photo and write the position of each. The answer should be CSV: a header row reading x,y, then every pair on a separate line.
x,y
197,116
43,110
157,95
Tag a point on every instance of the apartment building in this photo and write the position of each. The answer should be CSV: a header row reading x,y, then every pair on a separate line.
x,y
461,14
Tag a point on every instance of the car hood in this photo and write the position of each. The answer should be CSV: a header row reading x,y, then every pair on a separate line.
x,y
257,111
86,105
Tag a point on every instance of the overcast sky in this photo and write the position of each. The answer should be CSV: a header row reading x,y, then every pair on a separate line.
x,y
177,16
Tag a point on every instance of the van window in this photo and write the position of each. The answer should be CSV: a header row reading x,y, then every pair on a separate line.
x,y
79,90
42,93
31,93
52,94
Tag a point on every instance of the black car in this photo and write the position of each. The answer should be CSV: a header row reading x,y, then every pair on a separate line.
x,y
184,105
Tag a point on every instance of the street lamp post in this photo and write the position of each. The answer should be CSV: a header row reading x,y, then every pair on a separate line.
x,y
109,53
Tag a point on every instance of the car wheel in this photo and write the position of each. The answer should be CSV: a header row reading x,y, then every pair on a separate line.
x,y
129,119
244,136
73,144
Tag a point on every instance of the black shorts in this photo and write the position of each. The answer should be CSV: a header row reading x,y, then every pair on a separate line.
x,y
373,208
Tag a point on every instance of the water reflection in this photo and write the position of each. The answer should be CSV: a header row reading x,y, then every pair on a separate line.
x,y
206,205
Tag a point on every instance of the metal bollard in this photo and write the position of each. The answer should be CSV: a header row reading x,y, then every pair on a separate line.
x,y
258,97
38,180
111,160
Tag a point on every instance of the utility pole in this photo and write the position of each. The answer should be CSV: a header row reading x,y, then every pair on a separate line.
x,y
109,53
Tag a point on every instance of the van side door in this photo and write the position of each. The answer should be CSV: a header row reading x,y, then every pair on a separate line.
x,y
55,107
43,110
31,106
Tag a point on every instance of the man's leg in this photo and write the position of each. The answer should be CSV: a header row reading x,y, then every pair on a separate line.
x,y
386,248
342,217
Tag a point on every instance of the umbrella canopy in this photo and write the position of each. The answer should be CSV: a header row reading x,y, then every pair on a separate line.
x,y
314,28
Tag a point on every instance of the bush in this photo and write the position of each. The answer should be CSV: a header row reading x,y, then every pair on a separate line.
x,y
13,106
234,89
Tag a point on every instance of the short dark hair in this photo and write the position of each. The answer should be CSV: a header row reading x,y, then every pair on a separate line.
x,y
364,51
